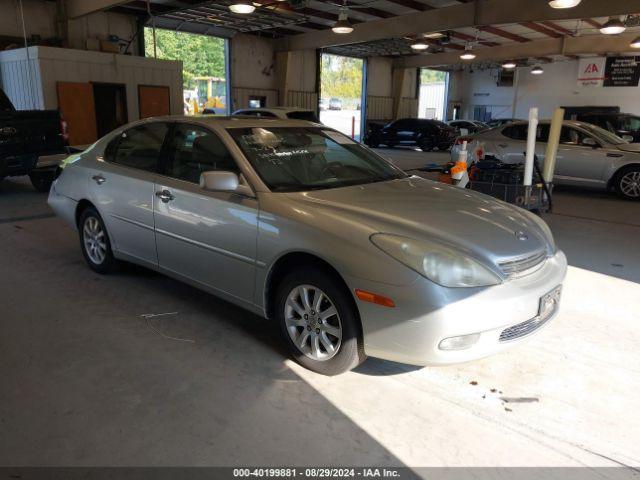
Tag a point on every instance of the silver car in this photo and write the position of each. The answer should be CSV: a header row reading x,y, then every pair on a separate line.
x,y
588,156
300,224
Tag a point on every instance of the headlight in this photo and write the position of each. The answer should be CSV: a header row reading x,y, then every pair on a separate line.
x,y
440,264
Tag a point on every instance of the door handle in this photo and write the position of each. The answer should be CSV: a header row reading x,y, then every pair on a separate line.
x,y
99,179
165,195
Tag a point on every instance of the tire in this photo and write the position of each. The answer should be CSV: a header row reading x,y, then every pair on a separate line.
x,y
345,322
372,143
42,181
627,183
425,145
92,231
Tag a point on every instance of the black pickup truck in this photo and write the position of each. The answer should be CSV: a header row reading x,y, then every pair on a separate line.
x,y
27,137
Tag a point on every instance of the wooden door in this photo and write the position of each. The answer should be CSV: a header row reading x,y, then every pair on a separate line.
x,y
153,101
76,104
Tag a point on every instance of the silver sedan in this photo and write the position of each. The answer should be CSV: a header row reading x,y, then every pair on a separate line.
x,y
588,156
300,224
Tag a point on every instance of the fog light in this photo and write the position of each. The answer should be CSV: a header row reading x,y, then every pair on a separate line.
x,y
459,343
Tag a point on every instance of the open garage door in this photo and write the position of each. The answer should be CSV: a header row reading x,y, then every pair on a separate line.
x,y
341,101
204,71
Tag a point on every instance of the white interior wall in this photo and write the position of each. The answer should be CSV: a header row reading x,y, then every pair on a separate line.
x,y
379,76
556,87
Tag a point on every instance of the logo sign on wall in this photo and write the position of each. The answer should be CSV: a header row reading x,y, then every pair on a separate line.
x,y
591,72
622,72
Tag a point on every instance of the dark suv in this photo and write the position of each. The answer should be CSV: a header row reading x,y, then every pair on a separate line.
x,y
426,134
622,124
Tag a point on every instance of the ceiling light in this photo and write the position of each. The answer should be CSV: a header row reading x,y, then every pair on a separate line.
x,y
242,6
433,35
509,64
613,26
563,3
468,53
342,25
635,43
537,70
419,45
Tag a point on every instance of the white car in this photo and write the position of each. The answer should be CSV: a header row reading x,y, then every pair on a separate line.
x,y
466,127
588,156
284,113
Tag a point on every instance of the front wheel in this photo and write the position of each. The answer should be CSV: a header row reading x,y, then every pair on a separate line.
x,y
628,183
319,322
94,242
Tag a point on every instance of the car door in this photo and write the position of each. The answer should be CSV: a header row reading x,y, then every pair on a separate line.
x,y
511,144
578,164
405,131
207,237
123,190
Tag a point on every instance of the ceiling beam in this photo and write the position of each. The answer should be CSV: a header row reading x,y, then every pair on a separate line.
x,y
486,12
80,8
568,46
557,28
471,38
541,29
503,33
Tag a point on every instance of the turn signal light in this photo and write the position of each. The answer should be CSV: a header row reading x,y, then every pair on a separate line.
x,y
374,298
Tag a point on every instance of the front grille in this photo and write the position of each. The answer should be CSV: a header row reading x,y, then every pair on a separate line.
x,y
522,266
522,329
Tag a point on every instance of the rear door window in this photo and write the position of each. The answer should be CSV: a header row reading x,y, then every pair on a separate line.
x,y
516,132
140,147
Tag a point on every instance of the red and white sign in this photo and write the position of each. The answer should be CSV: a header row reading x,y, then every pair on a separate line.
x,y
591,72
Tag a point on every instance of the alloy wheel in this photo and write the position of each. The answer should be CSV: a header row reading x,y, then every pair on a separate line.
x,y
630,184
313,322
93,236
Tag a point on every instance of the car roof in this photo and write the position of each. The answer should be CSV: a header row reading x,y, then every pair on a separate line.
x,y
572,123
274,109
233,121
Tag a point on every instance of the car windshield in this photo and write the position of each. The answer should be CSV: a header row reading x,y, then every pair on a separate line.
x,y
603,135
294,159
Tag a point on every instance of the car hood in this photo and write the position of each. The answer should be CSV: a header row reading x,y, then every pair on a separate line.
x,y
629,147
423,209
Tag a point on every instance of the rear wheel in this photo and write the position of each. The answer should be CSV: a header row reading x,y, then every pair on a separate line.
x,y
94,242
628,183
426,145
319,322
373,142
42,181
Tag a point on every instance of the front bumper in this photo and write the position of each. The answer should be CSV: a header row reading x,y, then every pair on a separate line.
x,y
426,313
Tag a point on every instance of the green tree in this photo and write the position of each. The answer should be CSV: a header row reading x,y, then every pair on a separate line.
x,y
341,77
201,55
432,76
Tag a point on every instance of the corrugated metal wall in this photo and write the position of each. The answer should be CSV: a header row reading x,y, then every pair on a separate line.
x,y
381,108
240,97
307,100
20,79
432,97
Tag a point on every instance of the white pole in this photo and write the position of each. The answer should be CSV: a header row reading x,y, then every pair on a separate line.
x,y
531,146
552,145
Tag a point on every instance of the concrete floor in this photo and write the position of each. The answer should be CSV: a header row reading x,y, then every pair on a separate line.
x,y
86,380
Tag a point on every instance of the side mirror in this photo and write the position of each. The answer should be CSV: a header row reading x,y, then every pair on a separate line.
x,y
219,181
628,138
222,181
590,142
